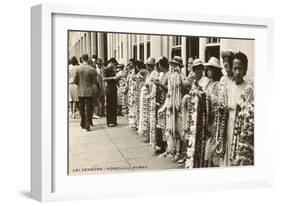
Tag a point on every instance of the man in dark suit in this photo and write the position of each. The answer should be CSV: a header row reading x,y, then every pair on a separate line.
x,y
84,78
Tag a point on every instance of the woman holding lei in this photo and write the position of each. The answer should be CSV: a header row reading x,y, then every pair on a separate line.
x,y
145,99
240,93
172,106
158,96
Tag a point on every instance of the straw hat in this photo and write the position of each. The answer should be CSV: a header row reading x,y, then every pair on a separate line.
x,y
197,62
177,60
214,62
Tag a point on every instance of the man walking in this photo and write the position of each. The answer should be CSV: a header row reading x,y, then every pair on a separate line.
x,y
84,78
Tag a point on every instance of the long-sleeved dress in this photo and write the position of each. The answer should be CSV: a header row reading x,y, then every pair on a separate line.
x,y
111,97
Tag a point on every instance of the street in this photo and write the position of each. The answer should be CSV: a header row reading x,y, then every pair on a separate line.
x,y
110,149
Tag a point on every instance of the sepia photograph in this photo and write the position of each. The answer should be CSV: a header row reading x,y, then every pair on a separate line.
x,y
147,102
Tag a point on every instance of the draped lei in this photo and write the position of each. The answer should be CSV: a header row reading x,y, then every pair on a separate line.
x,y
146,108
242,148
131,113
173,104
196,120
157,99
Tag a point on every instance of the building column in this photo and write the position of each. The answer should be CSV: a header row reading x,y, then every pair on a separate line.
x,y
100,46
170,46
155,44
183,51
108,45
165,42
138,47
202,48
125,49
145,48
130,46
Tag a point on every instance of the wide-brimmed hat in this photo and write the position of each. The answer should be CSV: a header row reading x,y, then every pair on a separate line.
x,y
197,62
227,53
213,62
151,61
177,60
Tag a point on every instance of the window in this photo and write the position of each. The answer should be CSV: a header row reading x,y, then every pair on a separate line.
x,y
212,51
176,40
135,52
213,40
192,47
148,47
176,51
142,51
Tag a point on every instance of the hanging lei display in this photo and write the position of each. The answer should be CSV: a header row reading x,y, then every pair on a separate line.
x,y
122,86
195,121
131,113
139,82
190,104
143,129
173,109
153,115
201,132
242,150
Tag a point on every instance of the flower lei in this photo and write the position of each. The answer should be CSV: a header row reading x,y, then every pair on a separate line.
x,y
242,148
189,126
221,117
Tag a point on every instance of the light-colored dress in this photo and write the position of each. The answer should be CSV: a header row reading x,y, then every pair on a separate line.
x,y
225,83
234,94
73,88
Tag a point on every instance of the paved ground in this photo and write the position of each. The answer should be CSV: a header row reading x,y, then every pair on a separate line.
x,y
110,149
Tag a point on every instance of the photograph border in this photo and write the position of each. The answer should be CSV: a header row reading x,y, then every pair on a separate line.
x,y
42,87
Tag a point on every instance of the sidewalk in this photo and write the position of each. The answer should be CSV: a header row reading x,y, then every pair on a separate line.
x,y
110,150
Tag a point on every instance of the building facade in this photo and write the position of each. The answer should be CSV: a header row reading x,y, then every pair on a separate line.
x,y
138,46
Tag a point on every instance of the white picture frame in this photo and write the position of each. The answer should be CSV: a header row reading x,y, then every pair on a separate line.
x,y
47,183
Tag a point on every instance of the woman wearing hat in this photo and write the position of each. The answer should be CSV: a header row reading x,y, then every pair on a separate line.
x,y
172,106
214,74
158,96
144,121
130,92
